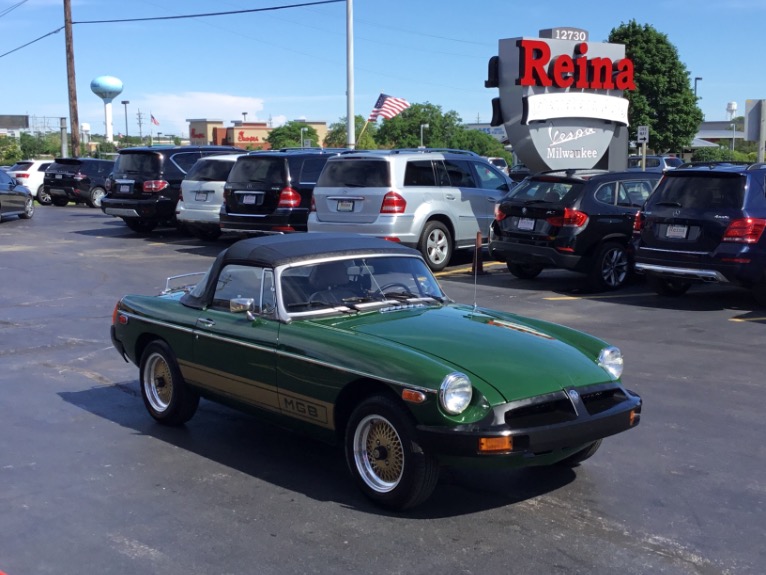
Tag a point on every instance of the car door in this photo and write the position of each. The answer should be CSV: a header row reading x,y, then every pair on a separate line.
x,y
492,187
473,204
11,200
235,351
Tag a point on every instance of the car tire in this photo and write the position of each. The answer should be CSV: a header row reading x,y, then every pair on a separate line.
x,y
95,196
140,226
524,271
43,198
166,396
389,467
580,456
670,287
60,202
436,245
610,269
29,209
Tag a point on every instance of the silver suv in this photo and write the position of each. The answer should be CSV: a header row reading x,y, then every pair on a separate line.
x,y
434,200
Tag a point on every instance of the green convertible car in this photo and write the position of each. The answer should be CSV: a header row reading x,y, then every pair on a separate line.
x,y
351,340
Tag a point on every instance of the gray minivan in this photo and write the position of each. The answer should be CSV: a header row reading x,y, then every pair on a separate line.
x,y
434,200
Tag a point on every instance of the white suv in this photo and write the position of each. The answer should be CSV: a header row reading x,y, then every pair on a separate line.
x,y
30,173
199,206
434,200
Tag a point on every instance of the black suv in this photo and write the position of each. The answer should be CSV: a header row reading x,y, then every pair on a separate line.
x,y
705,224
270,192
576,220
79,180
145,184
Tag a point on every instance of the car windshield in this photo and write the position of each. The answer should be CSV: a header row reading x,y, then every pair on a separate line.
x,y
702,191
355,173
357,284
262,170
138,163
209,171
543,190
19,166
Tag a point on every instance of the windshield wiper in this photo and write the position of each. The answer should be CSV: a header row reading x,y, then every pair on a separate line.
x,y
671,204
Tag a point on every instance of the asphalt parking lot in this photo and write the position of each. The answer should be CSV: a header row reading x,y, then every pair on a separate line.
x,y
91,485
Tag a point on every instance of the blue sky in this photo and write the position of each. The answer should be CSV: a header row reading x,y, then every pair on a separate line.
x,y
291,64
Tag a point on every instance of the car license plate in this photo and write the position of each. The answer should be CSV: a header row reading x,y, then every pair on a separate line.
x,y
201,196
124,188
676,232
59,176
248,199
526,224
345,205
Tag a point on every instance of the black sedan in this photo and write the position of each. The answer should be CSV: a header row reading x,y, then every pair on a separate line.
x,y
15,199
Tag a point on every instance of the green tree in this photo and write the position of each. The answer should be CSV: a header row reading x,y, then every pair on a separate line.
x,y
403,131
10,151
40,145
337,134
289,135
663,98
479,142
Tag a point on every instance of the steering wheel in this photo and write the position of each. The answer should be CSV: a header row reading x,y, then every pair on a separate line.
x,y
388,286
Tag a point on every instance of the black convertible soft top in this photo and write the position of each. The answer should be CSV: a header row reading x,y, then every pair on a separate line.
x,y
276,250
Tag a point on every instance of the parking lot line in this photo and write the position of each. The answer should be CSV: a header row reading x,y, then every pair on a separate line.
x,y
598,296
467,269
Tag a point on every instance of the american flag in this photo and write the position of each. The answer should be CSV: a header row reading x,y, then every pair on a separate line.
x,y
154,120
388,107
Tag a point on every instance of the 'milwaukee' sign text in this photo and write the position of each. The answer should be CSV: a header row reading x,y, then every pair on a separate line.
x,y
538,69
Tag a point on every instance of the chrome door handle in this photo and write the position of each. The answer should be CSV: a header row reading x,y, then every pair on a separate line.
x,y
205,322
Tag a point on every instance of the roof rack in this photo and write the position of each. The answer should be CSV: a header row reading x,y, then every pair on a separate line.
x,y
572,172
437,150
712,164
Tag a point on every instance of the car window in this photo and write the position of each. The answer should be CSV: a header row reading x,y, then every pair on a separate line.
x,y
355,173
673,162
606,194
637,191
206,170
5,179
702,191
460,173
20,166
488,177
419,173
263,170
237,281
545,190
185,160
310,170
138,163
43,167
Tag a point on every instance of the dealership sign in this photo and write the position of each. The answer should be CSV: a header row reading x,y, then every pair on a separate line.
x,y
561,97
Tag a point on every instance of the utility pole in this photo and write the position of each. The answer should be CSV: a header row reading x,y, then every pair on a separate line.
x,y
140,126
74,119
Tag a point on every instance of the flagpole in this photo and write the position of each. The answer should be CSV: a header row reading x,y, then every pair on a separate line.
x,y
362,130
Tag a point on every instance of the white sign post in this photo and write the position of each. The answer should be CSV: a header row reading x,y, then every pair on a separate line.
x,y
643,139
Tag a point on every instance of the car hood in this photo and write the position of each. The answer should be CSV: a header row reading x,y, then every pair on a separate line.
x,y
518,357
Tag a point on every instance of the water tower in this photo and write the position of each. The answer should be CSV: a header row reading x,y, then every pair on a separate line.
x,y
107,88
731,108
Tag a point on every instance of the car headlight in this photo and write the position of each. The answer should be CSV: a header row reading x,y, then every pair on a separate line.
x,y
610,359
455,393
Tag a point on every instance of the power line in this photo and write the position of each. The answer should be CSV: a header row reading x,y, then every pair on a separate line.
x,y
56,31
11,8
269,9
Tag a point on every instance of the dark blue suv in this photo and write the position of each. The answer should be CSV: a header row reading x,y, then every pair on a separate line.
x,y
705,224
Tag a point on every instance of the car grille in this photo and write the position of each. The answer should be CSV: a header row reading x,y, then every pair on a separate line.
x,y
558,408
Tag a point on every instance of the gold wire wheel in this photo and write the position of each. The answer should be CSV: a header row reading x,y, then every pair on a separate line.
x,y
158,382
378,453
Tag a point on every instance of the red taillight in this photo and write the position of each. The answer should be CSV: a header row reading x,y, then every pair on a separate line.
x,y
638,223
745,230
500,215
313,204
570,219
78,177
226,194
393,203
289,198
22,176
155,185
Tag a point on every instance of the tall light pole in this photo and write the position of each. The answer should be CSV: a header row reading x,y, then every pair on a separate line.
x,y
303,130
350,126
125,103
422,126
697,79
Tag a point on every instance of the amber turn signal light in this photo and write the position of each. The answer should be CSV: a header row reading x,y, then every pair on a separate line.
x,y
413,396
633,417
495,444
